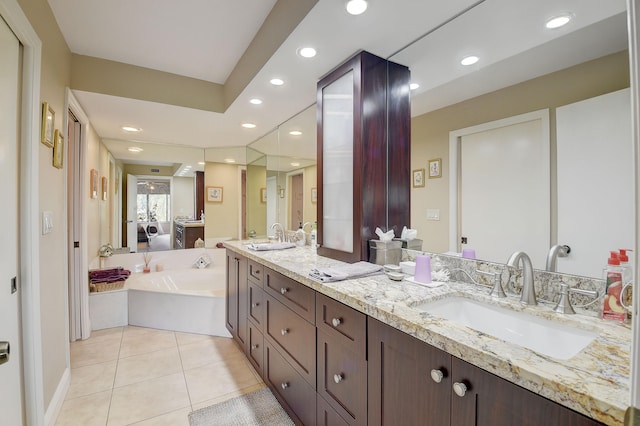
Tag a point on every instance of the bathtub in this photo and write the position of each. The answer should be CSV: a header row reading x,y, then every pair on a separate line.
x,y
187,300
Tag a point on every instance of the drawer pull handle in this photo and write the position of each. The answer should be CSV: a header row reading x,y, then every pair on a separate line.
x,y
284,331
336,322
437,375
283,290
460,389
254,347
284,385
257,271
338,378
255,305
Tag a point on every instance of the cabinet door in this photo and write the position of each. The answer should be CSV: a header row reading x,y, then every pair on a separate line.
x,y
256,305
255,350
492,401
243,300
401,388
231,300
326,415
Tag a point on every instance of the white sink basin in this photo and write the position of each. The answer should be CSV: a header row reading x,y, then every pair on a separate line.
x,y
543,336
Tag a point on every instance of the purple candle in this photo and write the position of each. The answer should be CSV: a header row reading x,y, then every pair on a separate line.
x,y
423,269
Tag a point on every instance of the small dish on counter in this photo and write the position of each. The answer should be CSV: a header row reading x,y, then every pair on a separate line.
x,y
431,284
391,268
395,276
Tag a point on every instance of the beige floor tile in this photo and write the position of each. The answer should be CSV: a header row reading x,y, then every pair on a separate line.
x,y
208,351
228,396
91,379
86,411
220,378
175,418
189,338
136,341
138,368
151,398
95,353
106,336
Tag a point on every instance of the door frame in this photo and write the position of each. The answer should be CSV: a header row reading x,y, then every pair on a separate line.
x,y
29,202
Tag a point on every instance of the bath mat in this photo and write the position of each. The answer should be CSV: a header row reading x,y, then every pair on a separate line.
x,y
253,409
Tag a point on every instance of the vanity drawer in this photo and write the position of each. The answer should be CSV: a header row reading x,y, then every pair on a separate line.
x,y
342,377
298,297
256,305
346,325
256,271
255,351
295,338
326,415
289,386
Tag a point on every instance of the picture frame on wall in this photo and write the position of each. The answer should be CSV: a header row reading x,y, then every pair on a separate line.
x,y
93,184
263,195
58,149
105,186
435,168
418,178
48,125
314,195
214,194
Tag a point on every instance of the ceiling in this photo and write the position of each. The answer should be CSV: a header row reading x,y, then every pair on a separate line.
x,y
206,39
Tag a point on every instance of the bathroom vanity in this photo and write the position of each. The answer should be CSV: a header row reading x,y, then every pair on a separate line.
x,y
363,351
186,233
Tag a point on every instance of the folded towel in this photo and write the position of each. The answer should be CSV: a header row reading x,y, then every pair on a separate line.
x,y
270,246
339,273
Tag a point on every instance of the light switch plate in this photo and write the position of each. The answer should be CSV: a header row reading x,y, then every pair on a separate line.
x,y
47,222
433,214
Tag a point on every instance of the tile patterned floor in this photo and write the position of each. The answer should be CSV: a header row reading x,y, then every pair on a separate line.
x,y
141,376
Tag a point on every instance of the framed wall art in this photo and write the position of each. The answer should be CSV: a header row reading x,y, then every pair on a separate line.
x,y
214,194
418,178
263,195
314,195
58,149
105,186
48,125
435,168
93,184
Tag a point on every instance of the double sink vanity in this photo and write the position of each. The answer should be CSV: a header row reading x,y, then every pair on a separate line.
x,y
376,351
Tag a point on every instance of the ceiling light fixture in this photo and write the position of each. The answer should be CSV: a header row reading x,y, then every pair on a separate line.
x,y
307,52
295,164
201,163
276,82
558,21
131,129
469,60
295,133
248,125
229,160
255,101
413,86
356,7
135,149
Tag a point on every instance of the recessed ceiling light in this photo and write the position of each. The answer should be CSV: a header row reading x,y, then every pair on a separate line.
x,y
356,7
131,129
229,160
295,133
201,163
558,21
295,164
469,60
135,149
248,125
413,86
255,101
307,52
276,82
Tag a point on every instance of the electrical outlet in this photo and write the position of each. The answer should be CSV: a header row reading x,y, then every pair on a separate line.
x,y
47,222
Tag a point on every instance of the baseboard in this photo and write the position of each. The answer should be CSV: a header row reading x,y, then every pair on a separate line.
x,y
53,410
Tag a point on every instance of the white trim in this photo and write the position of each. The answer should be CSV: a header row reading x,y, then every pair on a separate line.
x,y
29,204
57,400
454,149
239,237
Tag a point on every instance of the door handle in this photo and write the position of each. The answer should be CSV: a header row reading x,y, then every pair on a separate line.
x,y
4,352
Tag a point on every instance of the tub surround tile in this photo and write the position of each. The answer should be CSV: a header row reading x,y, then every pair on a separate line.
x,y
151,365
90,410
91,379
595,382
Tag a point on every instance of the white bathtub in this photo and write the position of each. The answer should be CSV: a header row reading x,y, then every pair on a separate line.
x,y
188,300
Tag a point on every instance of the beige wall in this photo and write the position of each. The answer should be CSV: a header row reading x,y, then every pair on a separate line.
x,y
183,194
430,132
256,209
309,208
221,219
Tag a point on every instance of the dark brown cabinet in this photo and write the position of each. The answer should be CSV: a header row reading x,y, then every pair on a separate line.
x,y
364,162
236,298
185,236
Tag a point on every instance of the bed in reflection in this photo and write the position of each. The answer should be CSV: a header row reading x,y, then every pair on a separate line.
x,y
152,237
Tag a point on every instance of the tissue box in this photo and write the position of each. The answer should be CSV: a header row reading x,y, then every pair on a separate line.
x,y
415,244
385,252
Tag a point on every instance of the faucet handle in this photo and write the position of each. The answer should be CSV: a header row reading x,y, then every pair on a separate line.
x,y
497,290
564,304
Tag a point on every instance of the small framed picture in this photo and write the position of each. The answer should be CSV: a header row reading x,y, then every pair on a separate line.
x,y
48,124
58,149
93,184
418,178
435,168
214,194
314,195
105,185
263,195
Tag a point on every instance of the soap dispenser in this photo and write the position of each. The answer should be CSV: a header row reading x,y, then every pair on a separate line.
x,y
611,307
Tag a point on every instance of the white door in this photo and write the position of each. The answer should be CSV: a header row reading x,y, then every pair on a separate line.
x,y
132,213
11,398
504,198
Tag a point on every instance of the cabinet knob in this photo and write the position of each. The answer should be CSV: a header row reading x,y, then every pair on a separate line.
x,y
437,375
284,385
284,331
460,389
283,290
254,347
338,378
255,305
336,322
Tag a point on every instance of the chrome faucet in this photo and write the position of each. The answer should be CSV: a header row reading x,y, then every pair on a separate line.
x,y
528,295
279,231
554,253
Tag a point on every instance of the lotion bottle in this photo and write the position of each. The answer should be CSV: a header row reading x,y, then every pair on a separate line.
x,y
611,307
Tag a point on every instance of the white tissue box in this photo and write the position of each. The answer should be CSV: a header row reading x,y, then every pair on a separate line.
x,y
415,244
408,268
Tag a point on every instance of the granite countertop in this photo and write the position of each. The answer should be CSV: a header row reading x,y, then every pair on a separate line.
x,y
595,382
190,223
